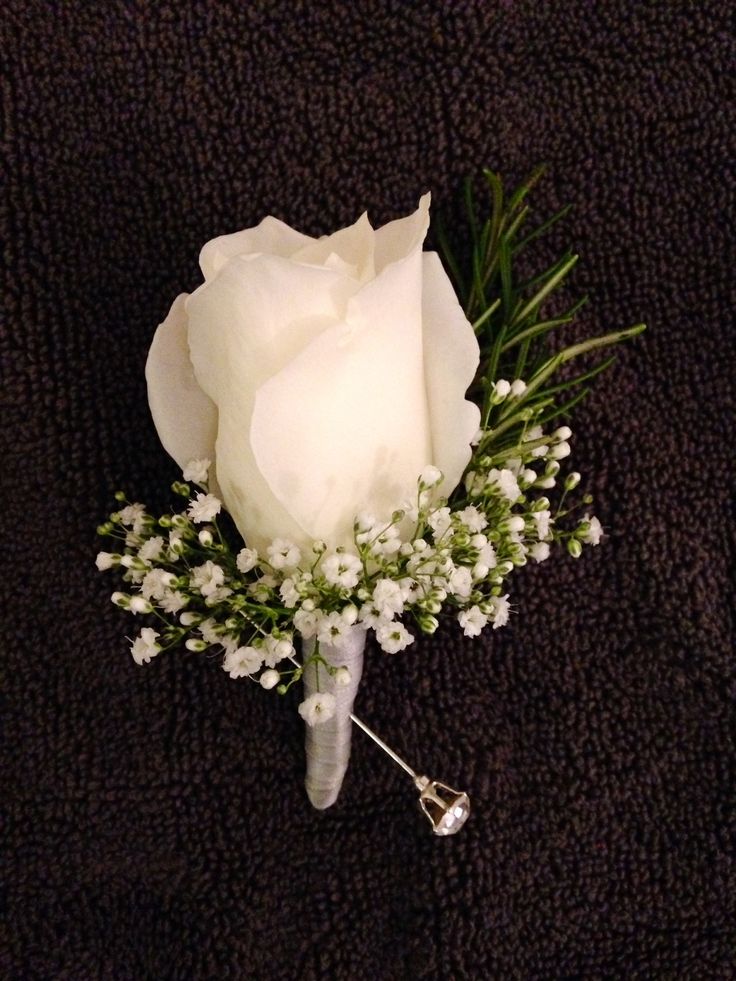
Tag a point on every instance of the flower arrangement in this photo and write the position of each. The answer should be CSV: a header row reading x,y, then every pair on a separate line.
x,y
365,447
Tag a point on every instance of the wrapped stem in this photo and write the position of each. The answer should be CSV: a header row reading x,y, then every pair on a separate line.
x,y
327,744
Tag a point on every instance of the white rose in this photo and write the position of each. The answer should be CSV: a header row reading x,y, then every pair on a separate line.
x,y
322,376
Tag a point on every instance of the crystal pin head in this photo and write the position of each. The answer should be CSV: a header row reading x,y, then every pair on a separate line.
x,y
446,809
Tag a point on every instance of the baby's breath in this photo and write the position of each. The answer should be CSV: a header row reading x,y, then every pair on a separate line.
x,y
432,557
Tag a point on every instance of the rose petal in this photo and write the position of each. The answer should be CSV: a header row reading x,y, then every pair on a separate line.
x,y
344,426
185,418
257,314
353,245
451,360
271,236
401,237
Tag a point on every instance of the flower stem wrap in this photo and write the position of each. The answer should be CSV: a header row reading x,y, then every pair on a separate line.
x,y
327,744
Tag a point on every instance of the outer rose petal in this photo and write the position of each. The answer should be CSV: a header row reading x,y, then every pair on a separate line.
x,y
185,418
345,426
451,356
398,238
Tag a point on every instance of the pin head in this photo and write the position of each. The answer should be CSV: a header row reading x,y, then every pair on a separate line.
x,y
446,809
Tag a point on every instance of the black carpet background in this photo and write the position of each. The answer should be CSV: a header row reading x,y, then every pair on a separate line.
x,y
155,820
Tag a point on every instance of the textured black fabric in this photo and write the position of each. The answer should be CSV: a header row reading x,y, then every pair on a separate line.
x,y
156,823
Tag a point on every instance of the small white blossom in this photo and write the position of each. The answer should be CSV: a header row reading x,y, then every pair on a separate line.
x,y
283,554
387,597
342,569
209,630
319,707
486,554
439,521
331,628
132,516
156,582
371,616
306,622
540,551
461,582
506,483
173,601
144,647
342,677
593,534
242,661
275,649
472,621
411,590
289,593
204,508
473,519
564,432
247,559
541,450
393,637
151,550
217,595
500,610
197,470
106,560
207,577
543,520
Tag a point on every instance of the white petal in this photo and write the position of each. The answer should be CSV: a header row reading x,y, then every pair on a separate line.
x,y
401,237
271,236
257,314
350,249
344,427
451,356
185,418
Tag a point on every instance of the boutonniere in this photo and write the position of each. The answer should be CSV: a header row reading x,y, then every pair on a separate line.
x,y
371,442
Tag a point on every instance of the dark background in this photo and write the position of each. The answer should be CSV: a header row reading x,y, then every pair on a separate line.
x,y
156,823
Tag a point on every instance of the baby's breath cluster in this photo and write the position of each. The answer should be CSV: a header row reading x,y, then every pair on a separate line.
x,y
430,558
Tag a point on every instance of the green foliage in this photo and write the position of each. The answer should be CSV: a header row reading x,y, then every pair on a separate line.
x,y
516,338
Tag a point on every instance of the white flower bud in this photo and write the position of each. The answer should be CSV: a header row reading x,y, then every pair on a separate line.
x,y
205,537
560,451
564,432
501,390
572,480
514,523
121,600
349,614
269,679
139,605
518,387
342,677
195,644
574,548
188,619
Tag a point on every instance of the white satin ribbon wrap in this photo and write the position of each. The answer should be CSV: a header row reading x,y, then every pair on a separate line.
x,y
327,744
